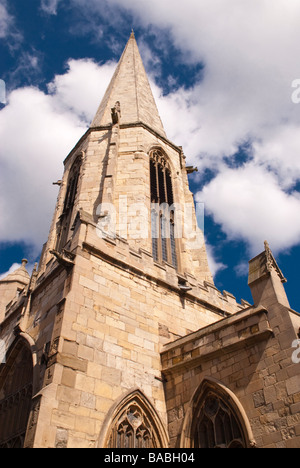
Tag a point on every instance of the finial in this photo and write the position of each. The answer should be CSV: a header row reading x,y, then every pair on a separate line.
x,y
269,256
132,36
271,262
24,262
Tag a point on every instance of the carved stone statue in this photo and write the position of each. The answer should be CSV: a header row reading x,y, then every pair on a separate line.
x,y
116,113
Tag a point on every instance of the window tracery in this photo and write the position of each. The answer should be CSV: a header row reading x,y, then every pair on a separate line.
x,y
217,426
134,427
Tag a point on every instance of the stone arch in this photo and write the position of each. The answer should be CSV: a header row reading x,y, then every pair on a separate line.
x,y
159,154
216,419
16,391
151,148
133,423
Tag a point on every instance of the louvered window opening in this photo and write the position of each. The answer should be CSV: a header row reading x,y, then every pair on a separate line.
x,y
70,197
162,212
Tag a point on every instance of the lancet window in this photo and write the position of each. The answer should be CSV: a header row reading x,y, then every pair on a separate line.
x,y
134,427
216,425
66,216
162,210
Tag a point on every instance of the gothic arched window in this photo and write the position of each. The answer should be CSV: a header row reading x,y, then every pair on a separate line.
x,y
215,418
217,426
15,397
66,216
216,423
162,210
134,426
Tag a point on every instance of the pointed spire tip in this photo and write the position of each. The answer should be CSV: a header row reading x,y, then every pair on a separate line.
x,y
130,86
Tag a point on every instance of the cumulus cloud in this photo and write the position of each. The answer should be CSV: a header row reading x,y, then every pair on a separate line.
x,y
214,265
34,141
279,150
37,131
249,204
82,87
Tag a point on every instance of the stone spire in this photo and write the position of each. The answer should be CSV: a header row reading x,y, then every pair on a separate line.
x,y
130,87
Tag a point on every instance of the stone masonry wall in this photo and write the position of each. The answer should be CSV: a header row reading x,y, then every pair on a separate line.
x,y
252,360
113,329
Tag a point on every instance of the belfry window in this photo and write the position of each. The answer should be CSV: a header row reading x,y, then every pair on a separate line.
x,y
162,210
66,216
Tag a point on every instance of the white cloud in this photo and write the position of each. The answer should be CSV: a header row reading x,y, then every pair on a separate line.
x,y
82,87
50,6
214,265
249,204
34,141
6,20
28,69
8,30
280,150
37,131
241,269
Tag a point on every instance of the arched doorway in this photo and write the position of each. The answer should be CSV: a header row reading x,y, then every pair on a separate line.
x,y
16,379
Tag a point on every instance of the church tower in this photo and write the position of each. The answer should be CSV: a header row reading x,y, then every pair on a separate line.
x,y
124,172
123,273
123,253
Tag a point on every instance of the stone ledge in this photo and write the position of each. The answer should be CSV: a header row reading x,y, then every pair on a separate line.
x,y
118,252
220,338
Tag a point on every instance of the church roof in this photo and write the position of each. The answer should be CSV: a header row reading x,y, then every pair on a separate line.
x,y
130,86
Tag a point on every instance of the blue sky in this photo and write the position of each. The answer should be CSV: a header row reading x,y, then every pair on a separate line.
x,y
222,74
